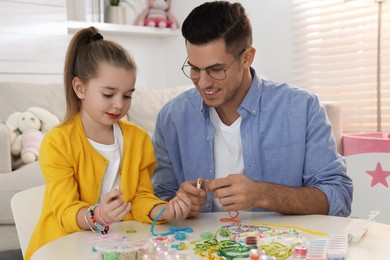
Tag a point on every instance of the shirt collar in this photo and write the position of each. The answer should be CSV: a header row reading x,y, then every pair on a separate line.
x,y
251,100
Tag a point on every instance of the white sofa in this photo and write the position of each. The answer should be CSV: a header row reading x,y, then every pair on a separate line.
x,y
19,96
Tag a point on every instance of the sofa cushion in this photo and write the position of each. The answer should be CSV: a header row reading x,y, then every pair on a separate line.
x,y
17,97
146,105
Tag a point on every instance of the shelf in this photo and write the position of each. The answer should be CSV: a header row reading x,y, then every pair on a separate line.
x,y
123,29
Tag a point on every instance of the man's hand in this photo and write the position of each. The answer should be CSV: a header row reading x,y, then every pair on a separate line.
x,y
235,192
196,196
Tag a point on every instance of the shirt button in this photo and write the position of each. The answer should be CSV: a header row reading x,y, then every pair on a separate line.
x,y
207,205
208,138
211,171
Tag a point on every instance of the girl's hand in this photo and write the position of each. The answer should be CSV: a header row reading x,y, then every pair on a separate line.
x,y
113,207
178,208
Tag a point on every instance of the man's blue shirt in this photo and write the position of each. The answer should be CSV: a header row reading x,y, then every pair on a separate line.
x,y
286,138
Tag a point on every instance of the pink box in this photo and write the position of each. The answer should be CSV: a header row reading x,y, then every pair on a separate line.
x,y
356,143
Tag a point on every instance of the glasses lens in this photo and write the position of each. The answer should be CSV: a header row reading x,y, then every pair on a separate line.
x,y
191,72
194,73
217,74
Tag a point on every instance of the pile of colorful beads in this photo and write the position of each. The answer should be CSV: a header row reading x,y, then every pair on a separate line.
x,y
118,252
124,249
163,251
115,247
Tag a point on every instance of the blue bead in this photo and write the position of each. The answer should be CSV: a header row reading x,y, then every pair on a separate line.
x,y
180,236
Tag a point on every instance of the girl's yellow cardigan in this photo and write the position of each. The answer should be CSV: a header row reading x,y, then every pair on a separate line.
x,y
74,170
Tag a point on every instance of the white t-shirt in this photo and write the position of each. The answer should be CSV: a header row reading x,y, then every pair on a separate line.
x,y
228,157
111,152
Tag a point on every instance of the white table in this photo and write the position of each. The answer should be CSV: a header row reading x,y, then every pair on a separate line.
x,y
374,245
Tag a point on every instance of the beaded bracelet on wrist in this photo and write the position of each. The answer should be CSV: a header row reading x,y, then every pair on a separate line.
x,y
86,220
103,229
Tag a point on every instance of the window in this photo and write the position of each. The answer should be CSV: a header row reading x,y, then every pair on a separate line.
x,y
335,56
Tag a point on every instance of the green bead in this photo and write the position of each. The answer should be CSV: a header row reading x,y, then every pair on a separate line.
x,y
110,256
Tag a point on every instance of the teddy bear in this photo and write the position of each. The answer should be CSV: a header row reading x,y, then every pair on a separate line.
x,y
157,14
27,131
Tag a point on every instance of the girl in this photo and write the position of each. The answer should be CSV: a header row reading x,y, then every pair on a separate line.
x,y
97,167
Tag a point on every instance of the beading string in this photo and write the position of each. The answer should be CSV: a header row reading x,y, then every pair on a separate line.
x,y
172,229
232,218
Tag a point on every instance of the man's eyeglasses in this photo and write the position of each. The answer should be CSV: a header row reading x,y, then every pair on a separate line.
x,y
215,73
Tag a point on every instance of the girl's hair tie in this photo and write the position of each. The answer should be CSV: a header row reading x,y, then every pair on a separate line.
x,y
96,37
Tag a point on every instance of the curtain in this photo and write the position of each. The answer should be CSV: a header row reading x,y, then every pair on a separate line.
x,y
335,56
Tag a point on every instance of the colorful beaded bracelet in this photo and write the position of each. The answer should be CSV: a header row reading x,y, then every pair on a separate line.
x,y
86,220
103,229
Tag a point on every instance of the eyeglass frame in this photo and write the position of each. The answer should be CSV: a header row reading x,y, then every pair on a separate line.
x,y
207,68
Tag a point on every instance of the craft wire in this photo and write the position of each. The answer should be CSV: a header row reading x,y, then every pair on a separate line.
x,y
232,218
277,249
230,249
172,231
220,247
220,229
226,248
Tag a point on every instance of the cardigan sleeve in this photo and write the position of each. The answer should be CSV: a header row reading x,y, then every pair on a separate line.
x,y
62,188
137,170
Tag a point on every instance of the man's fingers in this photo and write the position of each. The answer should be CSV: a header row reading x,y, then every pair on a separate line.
x,y
190,188
218,183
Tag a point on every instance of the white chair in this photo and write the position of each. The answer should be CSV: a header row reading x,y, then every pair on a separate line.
x,y
371,185
26,209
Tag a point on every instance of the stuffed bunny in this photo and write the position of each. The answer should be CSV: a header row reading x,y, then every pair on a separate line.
x,y
27,130
157,14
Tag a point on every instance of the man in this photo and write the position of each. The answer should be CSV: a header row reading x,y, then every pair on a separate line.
x,y
260,145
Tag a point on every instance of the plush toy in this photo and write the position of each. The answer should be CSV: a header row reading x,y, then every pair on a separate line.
x,y
157,14
27,130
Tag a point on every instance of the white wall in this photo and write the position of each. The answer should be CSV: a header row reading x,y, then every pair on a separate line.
x,y
271,38
34,38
